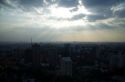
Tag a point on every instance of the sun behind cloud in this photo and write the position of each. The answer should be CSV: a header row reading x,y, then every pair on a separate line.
x,y
62,20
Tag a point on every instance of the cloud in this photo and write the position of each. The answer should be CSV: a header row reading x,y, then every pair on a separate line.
x,y
54,20
31,3
9,3
103,9
80,8
119,10
68,3
97,17
77,17
99,3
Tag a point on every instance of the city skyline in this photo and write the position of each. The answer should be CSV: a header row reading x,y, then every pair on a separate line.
x,y
62,20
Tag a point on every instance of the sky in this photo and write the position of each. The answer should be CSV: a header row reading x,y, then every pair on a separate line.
x,y
62,20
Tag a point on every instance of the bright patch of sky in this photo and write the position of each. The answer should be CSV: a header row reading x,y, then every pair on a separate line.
x,y
62,20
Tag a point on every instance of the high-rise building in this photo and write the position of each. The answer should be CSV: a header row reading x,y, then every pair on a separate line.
x,y
33,55
117,61
66,66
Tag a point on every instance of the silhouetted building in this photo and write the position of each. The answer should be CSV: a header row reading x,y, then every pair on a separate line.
x,y
33,55
117,61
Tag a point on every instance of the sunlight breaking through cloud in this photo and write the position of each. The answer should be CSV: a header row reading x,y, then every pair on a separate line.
x,y
66,20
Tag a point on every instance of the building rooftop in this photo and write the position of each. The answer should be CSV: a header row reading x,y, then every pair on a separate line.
x,y
66,58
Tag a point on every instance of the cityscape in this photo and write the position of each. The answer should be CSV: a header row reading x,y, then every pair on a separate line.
x,y
60,62
62,40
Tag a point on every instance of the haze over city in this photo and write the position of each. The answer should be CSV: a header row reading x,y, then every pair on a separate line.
x,y
62,40
62,20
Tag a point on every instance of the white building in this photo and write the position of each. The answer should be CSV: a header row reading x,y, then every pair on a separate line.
x,y
66,66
